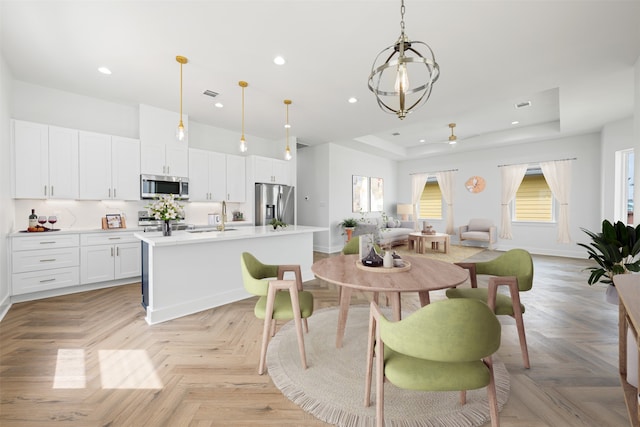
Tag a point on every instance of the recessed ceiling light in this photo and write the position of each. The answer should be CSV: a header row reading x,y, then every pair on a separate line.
x,y
279,60
353,100
104,70
218,105
515,122
422,140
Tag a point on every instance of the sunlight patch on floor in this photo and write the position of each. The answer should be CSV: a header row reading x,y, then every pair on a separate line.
x,y
127,369
70,369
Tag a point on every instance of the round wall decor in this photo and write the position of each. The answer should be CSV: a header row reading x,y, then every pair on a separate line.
x,y
475,184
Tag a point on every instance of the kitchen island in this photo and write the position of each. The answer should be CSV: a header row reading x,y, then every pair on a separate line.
x,y
194,270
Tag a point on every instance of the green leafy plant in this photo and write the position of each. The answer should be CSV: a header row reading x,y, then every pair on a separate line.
x,y
615,249
275,223
348,223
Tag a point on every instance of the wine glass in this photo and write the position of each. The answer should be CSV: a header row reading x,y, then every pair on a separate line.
x,y
52,220
42,220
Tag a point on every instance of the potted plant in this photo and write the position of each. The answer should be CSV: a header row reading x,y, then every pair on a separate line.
x,y
349,224
275,223
615,249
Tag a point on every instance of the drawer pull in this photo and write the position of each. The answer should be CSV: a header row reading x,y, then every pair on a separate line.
x,y
47,280
47,243
115,238
48,260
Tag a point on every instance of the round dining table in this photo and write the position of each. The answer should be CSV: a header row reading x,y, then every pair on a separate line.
x,y
421,275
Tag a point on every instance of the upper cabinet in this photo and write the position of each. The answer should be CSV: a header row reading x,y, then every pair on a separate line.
x,y
236,179
109,167
273,171
207,176
160,151
214,177
45,161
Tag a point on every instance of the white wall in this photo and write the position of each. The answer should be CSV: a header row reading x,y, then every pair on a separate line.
x,y
615,136
537,238
6,203
325,177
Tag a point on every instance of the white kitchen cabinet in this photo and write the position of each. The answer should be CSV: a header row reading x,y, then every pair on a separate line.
x,y
164,160
44,262
160,151
271,171
236,179
109,256
45,161
207,176
109,167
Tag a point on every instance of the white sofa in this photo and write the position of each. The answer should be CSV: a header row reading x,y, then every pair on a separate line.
x,y
391,233
480,230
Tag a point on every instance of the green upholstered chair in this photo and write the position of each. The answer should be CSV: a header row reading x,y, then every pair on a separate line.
x,y
443,346
352,247
279,300
513,269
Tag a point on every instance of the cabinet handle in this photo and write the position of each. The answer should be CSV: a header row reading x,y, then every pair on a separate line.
x,y
47,280
114,193
115,238
45,190
111,251
52,191
109,193
48,260
117,251
46,243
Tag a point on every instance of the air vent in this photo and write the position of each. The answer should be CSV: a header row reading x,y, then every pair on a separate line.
x,y
210,93
523,104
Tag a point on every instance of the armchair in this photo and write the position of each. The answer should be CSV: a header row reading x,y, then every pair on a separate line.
x,y
479,229
444,346
279,299
513,269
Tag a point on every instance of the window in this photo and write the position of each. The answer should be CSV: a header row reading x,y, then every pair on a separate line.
x,y
534,200
431,200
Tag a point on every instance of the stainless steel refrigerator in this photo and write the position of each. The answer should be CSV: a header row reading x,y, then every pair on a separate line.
x,y
274,201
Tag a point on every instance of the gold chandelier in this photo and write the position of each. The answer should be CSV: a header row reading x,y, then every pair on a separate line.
x,y
181,133
243,142
287,126
394,93
452,139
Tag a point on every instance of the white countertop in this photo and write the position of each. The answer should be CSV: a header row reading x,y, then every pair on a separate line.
x,y
186,237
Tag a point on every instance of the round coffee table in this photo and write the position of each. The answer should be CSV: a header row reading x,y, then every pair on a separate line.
x,y
419,241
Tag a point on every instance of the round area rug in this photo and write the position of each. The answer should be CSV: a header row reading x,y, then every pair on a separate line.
x,y
332,386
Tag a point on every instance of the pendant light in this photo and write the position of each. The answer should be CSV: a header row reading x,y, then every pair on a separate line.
x,y
287,126
402,98
243,143
181,133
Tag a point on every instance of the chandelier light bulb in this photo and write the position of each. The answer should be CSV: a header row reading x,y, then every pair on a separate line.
x,y
181,133
287,153
287,126
402,79
243,142
243,145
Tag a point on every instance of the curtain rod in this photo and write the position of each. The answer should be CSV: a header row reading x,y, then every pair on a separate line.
x,y
539,161
420,173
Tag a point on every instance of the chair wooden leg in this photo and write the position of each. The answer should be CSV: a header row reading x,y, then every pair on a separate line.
x,y
463,397
380,382
517,315
491,395
306,325
371,342
269,324
295,304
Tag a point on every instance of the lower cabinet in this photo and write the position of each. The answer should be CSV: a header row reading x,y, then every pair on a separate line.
x,y
105,257
44,262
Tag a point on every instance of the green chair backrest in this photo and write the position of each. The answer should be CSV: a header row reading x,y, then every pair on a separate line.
x,y
454,330
516,262
253,271
352,247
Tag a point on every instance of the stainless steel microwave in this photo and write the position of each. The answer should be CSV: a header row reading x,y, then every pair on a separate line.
x,y
153,186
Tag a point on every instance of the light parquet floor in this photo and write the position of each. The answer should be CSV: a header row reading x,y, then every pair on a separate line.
x,y
204,365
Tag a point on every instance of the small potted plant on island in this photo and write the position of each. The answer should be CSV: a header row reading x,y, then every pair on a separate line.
x,y
349,224
275,223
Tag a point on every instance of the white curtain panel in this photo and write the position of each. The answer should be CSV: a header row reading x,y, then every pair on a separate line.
x,y
445,181
558,176
511,179
417,186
